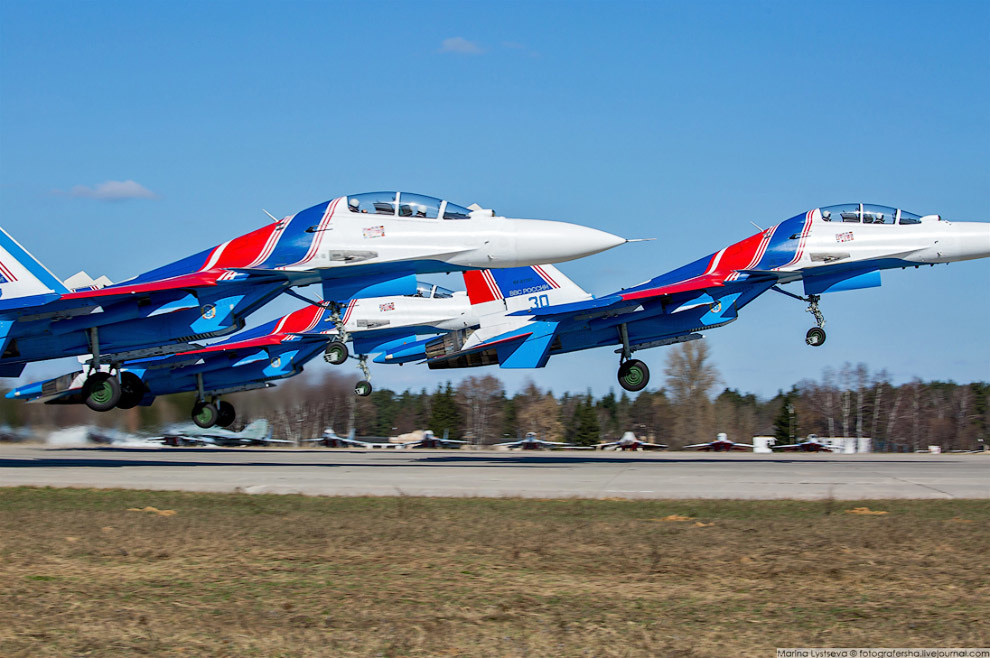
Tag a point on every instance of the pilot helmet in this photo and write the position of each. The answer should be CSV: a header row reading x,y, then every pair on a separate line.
x,y
353,203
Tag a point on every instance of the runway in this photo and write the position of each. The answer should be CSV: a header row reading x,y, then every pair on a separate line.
x,y
497,474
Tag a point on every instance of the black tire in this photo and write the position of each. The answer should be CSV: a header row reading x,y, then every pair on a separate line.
x,y
205,415
634,375
225,414
336,353
132,390
815,337
362,388
101,391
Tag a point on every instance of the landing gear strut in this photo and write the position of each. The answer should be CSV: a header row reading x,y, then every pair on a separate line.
x,y
633,373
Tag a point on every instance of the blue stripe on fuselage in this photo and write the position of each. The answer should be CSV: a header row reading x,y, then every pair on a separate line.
x,y
689,271
782,248
294,242
187,265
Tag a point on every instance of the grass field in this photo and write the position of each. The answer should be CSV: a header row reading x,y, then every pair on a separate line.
x,y
241,575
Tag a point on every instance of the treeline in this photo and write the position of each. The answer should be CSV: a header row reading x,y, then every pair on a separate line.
x,y
846,401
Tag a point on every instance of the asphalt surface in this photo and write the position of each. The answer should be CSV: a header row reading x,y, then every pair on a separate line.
x,y
526,474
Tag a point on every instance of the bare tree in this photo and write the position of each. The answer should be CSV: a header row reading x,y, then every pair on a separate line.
x,y
479,397
690,378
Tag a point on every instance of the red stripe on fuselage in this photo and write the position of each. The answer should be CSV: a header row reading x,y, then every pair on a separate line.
x,y
244,250
300,321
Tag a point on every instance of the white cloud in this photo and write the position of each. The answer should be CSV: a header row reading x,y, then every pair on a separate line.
x,y
460,46
113,190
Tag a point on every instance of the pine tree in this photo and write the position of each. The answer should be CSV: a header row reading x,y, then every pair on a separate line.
x,y
587,431
446,416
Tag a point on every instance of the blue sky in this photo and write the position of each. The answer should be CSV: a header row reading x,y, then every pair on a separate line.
x,y
680,121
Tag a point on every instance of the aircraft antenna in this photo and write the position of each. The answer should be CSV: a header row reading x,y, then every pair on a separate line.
x,y
756,225
274,219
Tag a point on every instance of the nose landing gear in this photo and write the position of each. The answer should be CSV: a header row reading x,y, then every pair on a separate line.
x,y
363,387
816,335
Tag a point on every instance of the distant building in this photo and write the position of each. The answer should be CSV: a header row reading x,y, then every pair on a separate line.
x,y
763,443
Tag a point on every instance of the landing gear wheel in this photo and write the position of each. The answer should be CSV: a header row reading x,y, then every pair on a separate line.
x,y
815,336
205,414
336,353
102,391
225,414
362,388
132,389
634,375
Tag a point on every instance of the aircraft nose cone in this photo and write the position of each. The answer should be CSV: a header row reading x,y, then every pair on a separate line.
x,y
973,239
540,241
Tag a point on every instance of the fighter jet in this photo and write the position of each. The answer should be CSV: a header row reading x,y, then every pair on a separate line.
x,y
430,440
530,314
275,350
630,442
330,439
530,442
258,433
354,246
720,444
811,444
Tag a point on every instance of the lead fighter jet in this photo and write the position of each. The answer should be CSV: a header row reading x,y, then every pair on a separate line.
x,y
354,246
530,314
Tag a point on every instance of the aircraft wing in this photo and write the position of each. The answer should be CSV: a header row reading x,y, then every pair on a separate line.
x,y
625,301
208,278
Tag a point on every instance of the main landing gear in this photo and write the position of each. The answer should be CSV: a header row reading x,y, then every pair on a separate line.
x,y
633,373
337,352
816,335
207,413
105,390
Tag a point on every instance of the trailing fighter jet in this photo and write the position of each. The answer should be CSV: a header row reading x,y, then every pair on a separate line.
x,y
530,314
255,357
355,246
258,433
530,442
720,444
630,442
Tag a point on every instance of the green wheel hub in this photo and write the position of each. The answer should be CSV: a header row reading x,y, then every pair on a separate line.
x,y
633,376
102,392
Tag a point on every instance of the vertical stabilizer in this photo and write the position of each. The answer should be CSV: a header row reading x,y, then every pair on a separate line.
x,y
520,288
21,275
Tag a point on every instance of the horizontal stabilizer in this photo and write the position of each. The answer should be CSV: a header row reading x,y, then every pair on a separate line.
x,y
530,353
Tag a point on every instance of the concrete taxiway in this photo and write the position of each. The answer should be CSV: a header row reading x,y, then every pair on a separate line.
x,y
526,474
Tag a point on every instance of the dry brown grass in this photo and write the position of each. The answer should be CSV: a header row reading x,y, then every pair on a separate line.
x,y
240,575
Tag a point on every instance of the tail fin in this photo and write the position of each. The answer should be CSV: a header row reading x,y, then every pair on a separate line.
x,y
258,429
21,275
521,288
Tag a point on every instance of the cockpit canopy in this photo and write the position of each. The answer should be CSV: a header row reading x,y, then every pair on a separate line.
x,y
405,204
868,213
431,291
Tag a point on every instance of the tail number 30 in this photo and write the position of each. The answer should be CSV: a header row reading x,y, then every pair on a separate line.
x,y
539,301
